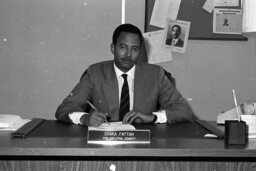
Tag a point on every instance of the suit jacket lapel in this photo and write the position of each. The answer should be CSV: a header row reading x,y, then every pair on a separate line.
x,y
140,89
110,88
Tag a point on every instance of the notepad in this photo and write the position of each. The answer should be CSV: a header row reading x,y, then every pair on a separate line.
x,y
114,126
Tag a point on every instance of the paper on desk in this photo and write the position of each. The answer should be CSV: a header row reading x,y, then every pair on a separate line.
x,y
210,136
11,122
6,120
114,126
253,135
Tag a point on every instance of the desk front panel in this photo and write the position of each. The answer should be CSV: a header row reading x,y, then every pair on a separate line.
x,y
170,149
123,165
159,147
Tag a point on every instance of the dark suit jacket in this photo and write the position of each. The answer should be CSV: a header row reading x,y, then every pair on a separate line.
x,y
178,44
99,85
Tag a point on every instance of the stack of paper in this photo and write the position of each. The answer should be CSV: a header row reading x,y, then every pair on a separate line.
x,y
11,122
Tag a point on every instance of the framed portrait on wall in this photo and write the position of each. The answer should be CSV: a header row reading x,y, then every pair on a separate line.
x,y
176,35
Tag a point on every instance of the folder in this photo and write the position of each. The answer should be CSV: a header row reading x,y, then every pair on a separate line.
x,y
27,128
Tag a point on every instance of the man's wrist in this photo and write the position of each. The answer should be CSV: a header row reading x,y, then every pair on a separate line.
x,y
75,117
161,116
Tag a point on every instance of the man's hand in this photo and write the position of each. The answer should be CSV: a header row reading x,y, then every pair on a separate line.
x,y
94,119
137,117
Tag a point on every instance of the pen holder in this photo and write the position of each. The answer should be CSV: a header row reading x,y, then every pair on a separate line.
x,y
235,132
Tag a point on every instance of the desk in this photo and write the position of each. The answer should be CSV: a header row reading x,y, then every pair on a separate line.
x,y
57,146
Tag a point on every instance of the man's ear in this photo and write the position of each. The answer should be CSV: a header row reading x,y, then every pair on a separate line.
x,y
112,48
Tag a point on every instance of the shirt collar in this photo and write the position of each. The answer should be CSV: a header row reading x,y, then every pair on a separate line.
x,y
130,73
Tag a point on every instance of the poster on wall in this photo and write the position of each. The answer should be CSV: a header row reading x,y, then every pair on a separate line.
x,y
156,52
227,3
164,9
176,35
227,21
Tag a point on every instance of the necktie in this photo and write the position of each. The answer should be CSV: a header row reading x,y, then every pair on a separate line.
x,y
125,99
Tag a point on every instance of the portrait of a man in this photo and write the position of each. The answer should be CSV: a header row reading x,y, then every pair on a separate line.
x,y
176,35
175,39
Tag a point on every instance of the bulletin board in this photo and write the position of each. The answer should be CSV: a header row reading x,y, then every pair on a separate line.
x,y
201,21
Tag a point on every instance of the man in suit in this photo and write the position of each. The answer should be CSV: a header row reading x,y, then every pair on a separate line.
x,y
175,40
102,86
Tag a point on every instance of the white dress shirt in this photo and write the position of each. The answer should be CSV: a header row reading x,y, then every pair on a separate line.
x,y
174,41
130,80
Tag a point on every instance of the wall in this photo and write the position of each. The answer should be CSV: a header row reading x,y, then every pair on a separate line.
x,y
45,45
209,70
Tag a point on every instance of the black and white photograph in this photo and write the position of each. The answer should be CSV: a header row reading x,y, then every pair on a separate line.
x,y
177,35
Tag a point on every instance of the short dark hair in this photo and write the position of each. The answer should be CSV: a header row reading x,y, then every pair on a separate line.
x,y
178,28
129,28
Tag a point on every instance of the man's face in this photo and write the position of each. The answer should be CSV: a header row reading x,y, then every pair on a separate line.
x,y
175,32
126,51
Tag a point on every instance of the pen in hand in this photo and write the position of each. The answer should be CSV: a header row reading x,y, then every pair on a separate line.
x,y
94,108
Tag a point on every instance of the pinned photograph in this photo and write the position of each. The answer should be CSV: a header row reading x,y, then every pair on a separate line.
x,y
177,35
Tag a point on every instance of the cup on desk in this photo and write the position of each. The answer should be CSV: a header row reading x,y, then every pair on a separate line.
x,y
250,121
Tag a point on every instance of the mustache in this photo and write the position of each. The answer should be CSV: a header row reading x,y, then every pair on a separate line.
x,y
127,59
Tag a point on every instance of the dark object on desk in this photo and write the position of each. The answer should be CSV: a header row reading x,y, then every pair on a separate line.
x,y
54,128
235,132
27,128
209,127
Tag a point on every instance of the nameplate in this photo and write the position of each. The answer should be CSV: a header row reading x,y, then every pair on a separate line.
x,y
118,137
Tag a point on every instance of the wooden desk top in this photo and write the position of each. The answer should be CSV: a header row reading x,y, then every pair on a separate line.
x,y
167,141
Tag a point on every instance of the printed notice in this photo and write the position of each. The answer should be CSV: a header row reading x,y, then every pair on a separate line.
x,y
162,10
159,14
156,51
227,21
227,3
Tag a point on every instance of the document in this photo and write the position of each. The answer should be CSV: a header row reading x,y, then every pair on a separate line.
x,y
113,126
209,6
227,3
11,122
173,10
156,51
227,21
164,9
